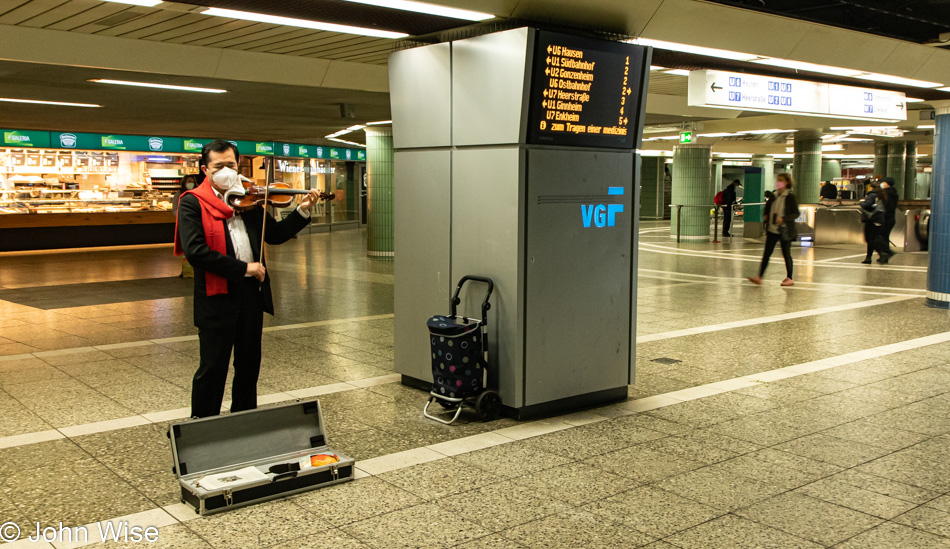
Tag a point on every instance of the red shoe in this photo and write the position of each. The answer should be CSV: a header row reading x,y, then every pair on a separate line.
x,y
755,280
788,282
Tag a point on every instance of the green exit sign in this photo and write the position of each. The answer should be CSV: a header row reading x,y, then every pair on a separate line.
x,y
686,137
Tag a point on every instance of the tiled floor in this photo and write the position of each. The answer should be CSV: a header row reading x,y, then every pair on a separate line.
x,y
846,448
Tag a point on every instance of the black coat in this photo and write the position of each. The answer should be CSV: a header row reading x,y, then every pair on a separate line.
x,y
220,311
869,204
791,212
729,195
829,192
890,203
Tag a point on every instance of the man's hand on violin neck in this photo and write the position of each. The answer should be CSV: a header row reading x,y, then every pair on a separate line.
x,y
256,270
309,200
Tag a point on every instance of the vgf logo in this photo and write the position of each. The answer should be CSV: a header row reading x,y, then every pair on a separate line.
x,y
600,215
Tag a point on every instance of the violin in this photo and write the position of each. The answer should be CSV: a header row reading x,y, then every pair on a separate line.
x,y
279,195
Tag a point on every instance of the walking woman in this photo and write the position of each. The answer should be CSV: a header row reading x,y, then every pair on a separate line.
x,y
873,216
781,211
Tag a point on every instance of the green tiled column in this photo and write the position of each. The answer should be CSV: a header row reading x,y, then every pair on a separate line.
x,y
691,187
651,187
896,163
910,172
379,200
767,163
807,172
880,158
830,169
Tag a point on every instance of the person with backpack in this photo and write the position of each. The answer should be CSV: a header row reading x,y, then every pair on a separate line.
x,y
727,198
781,213
873,217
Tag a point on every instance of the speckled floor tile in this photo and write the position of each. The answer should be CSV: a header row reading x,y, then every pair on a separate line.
x,y
653,511
336,539
130,452
644,464
910,467
596,438
895,536
576,529
369,443
355,501
852,497
652,423
928,519
258,525
810,518
420,526
719,489
841,452
576,483
513,460
876,434
775,473
440,478
494,541
19,458
695,448
501,505
734,532
142,398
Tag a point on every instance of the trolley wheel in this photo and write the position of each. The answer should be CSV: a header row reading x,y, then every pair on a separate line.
x,y
488,405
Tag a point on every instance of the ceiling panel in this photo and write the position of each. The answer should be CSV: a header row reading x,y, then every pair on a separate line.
x,y
274,41
160,26
190,24
144,21
25,11
229,30
104,9
56,15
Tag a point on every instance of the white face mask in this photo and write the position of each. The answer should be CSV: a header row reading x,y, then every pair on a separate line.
x,y
228,182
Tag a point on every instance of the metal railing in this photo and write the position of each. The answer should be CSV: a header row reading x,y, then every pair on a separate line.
x,y
718,208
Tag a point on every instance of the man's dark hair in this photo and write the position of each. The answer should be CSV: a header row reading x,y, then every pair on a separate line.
x,y
734,181
218,146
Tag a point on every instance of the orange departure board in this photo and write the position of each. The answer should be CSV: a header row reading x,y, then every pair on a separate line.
x,y
586,92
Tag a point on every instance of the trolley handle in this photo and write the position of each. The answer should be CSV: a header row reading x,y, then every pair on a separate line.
x,y
485,304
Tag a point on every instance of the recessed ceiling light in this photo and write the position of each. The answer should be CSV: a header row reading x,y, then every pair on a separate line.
x,y
913,100
927,127
947,89
380,123
657,68
160,86
811,67
699,50
302,23
40,102
146,3
431,9
762,132
678,72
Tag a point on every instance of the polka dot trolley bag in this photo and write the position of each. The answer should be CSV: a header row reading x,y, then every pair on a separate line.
x,y
460,368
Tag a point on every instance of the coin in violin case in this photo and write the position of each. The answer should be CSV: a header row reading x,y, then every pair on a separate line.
x,y
233,460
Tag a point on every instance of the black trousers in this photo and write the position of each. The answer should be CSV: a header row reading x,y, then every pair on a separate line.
x,y
726,219
771,239
874,236
886,234
244,336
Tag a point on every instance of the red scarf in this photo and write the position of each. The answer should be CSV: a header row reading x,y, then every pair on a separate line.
x,y
213,211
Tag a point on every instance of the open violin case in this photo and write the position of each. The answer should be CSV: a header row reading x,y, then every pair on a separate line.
x,y
274,441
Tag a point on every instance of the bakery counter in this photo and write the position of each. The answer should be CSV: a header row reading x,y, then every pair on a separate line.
x,y
82,230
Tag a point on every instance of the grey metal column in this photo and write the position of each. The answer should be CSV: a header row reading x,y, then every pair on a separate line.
x,y
896,161
880,158
910,172
938,271
807,171
691,186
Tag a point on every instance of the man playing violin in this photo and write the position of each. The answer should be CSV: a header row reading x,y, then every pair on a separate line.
x,y
232,287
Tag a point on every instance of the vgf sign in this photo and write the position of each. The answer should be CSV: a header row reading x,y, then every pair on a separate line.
x,y
600,215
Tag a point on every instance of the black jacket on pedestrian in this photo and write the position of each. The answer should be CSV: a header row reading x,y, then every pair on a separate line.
x,y
218,311
890,204
729,195
869,204
829,192
791,212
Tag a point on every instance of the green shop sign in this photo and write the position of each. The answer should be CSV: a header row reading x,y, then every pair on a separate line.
x,y
21,138
194,145
255,148
98,142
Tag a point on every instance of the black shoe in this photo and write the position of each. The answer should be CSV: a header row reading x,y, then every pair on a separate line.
x,y
867,261
726,234
882,260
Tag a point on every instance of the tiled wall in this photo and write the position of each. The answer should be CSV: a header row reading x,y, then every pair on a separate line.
x,y
691,187
379,207
896,162
807,173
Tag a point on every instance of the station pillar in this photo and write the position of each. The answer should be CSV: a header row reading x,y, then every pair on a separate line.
x,y
767,163
830,169
938,271
896,163
691,185
880,158
807,171
379,189
652,188
910,172
717,183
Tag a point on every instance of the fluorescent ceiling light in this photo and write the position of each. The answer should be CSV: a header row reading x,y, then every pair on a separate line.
x,y
657,68
678,72
947,89
650,152
698,50
146,3
857,128
40,102
913,100
720,134
160,86
354,128
431,9
783,156
811,67
927,127
899,80
380,123
734,155
355,144
302,23
762,132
